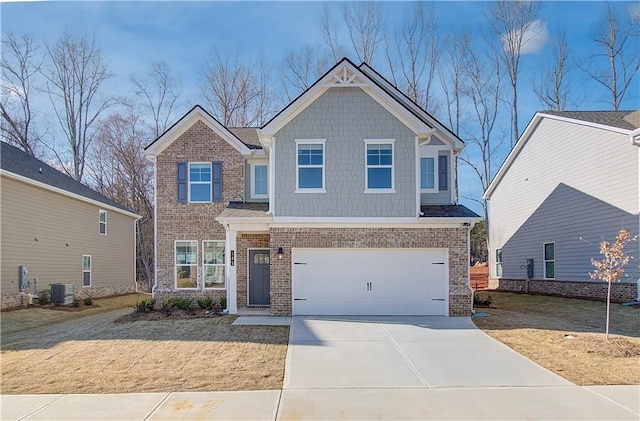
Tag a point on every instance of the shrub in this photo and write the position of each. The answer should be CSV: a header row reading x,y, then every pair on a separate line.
x,y
75,303
181,303
206,303
44,297
88,301
146,305
223,302
479,301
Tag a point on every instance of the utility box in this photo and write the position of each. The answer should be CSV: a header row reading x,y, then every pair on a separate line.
x,y
23,277
62,293
529,268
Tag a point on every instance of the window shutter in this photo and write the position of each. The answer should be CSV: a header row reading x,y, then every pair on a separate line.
x,y
216,181
443,172
182,181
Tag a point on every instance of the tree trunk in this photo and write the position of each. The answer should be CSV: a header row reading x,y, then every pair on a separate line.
x,y
606,335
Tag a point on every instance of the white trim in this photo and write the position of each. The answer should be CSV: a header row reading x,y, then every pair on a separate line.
x,y
87,271
100,223
204,265
175,266
249,249
189,182
436,186
230,272
45,186
416,178
253,166
391,142
155,225
500,262
196,114
322,142
544,261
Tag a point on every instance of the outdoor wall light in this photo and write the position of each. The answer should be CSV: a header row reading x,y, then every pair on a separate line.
x,y
280,253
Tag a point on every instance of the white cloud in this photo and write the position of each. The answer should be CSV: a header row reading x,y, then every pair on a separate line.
x,y
535,37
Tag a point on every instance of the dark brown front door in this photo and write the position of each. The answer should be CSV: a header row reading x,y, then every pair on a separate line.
x,y
259,278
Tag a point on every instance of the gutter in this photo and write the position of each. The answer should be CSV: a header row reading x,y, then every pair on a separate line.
x,y
634,137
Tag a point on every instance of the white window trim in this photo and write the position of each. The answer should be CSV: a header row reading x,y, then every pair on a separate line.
x,y
199,182
87,271
175,266
544,261
253,180
392,166
436,184
100,223
324,161
499,263
205,265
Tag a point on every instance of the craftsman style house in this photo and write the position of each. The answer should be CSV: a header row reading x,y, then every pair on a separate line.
x,y
345,203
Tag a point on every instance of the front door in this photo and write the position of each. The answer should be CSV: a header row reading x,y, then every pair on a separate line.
x,y
259,278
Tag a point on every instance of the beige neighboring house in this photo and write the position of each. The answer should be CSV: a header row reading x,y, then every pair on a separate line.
x,y
61,231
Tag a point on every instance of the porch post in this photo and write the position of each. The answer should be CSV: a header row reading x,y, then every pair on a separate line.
x,y
230,246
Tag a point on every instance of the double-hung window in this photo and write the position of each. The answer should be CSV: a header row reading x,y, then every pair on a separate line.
x,y
213,264
427,173
86,271
186,264
434,173
200,182
549,254
102,222
259,177
310,166
499,263
379,171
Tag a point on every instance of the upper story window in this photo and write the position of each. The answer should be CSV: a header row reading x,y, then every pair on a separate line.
x,y
310,166
434,172
259,181
549,252
199,182
102,221
379,172
428,173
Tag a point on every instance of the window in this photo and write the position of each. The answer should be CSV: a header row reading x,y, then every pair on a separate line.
x,y
213,264
186,264
102,221
499,262
86,271
427,173
199,182
310,166
260,186
549,260
379,166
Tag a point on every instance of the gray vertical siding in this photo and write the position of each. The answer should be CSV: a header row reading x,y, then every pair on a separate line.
x,y
570,184
345,117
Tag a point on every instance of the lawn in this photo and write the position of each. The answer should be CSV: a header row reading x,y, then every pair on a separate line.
x,y
94,354
567,335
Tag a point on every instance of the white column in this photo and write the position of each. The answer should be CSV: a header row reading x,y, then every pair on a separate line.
x,y
232,296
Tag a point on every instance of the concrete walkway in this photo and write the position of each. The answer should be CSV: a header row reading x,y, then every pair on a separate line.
x,y
389,368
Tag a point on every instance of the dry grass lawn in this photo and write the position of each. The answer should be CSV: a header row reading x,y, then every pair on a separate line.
x,y
567,335
96,355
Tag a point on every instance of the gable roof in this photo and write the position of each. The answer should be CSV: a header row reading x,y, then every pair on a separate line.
x,y
248,136
197,113
17,163
623,122
346,74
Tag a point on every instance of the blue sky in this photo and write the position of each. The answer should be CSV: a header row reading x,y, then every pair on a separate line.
x,y
132,35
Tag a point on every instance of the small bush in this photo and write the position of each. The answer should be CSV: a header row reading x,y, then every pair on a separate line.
x,y
223,302
206,303
88,301
44,297
479,301
75,303
146,305
181,303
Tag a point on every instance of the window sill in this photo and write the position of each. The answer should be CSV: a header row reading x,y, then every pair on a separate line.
x,y
429,191
310,191
215,289
370,191
185,289
259,196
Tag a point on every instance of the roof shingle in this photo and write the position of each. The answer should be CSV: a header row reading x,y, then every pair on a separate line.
x,y
628,120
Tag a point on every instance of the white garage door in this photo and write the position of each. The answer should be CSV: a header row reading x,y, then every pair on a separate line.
x,y
370,281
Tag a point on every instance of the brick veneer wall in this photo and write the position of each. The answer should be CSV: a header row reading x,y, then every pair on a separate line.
x,y
620,291
18,300
455,239
192,221
243,243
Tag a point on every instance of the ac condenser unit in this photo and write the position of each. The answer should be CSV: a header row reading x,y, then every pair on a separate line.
x,y
62,293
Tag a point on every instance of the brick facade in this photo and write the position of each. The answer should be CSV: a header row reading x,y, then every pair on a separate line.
x,y
244,242
8,301
192,221
596,290
455,239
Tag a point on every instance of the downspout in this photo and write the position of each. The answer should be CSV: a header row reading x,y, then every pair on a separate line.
x,y
155,225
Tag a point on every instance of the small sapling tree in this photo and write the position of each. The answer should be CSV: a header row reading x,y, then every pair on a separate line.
x,y
609,269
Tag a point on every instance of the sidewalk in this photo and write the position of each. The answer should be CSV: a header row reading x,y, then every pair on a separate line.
x,y
538,403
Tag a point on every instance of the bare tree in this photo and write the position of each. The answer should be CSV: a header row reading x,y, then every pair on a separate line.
x,y
512,22
20,63
417,53
330,33
551,88
451,71
159,93
121,172
365,25
74,77
618,57
237,93
300,70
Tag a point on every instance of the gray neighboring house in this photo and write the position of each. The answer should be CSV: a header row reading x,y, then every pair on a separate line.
x,y
60,231
345,203
571,180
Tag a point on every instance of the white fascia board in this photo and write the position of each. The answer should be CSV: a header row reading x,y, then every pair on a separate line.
x,y
63,192
374,223
189,120
240,224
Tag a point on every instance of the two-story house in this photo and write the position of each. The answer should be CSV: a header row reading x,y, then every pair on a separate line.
x,y
344,203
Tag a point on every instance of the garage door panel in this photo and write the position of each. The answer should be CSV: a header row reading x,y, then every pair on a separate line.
x,y
369,281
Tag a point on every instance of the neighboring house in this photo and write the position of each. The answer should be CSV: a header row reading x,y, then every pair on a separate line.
x,y
344,203
570,182
61,231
